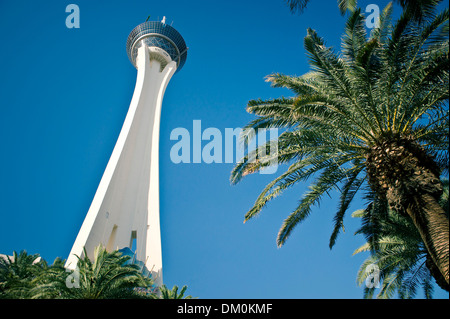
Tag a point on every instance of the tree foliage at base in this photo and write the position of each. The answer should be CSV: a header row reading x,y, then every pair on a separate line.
x,y
108,276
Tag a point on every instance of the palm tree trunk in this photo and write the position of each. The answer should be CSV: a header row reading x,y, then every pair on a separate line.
x,y
436,273
433,226
401,171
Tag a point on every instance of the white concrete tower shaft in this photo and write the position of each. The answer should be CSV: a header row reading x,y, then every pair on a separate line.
x,y
125,209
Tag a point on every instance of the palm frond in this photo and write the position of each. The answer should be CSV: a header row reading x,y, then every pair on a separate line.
x,y
351,187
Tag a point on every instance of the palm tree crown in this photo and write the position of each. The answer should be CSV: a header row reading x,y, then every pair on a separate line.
x,y
166,293
17,273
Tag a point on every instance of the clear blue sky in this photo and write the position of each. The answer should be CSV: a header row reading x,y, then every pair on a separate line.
x,y
65,93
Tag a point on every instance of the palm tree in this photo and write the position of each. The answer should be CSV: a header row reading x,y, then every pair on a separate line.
x,y
375,116
418,9
397,250
106,277
17,274
165,293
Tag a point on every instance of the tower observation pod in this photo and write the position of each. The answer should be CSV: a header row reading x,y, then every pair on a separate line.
x,y
124,213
